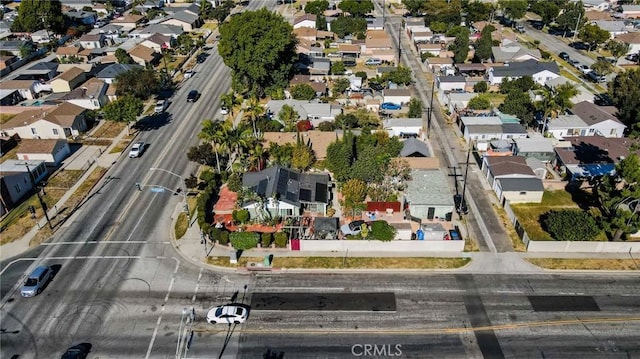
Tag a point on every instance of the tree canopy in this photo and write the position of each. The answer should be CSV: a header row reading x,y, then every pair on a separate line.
x,y
514,9
260,48
125,109
316,7
460,47
344,25
570,225
34,15
357,8
138,82
571,14
625,93
519,104
445,11
593,35
303,92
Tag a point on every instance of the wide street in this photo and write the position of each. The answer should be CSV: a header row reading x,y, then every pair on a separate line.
x,y
121,286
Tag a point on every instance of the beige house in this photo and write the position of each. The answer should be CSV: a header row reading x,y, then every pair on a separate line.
x,y
28,89
128,22
158,42
65,52
63,122
68,80
90,95
143,55
52,152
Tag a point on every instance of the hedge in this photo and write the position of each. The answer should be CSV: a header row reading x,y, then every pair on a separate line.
x,y
224,238
382,231
280,238
266,239
244,240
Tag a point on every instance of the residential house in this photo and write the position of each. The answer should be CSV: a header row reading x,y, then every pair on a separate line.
x,y
163,29
16,180
110,31
319,87
582,93
539,147
484,129
375,23
306,20
306,34
318,141
614,28
187,20
512,179
428,195
436,50
414,147
143,55
62,122
632,39
403,127
81,17
146,5
313,111
567,126
158,42
15,47
68,80
471,69
602,119
91,95
319,66
64,53
349,50
506,54
541,72
109,73
451,83
10,97
286,192
440,65
419,33
455,101
397,96
592,156
128,22
378,44
41,36
631,11
92,41
28,89
42,71
598,6
52,152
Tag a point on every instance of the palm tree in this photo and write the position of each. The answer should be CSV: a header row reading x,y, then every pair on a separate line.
x,y
238,139
256,157
217,133
555,100
254,110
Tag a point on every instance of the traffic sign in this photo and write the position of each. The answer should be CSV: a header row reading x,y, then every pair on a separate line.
x,y
157,189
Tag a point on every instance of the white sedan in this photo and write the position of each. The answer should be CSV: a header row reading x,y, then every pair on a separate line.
x,y
228,314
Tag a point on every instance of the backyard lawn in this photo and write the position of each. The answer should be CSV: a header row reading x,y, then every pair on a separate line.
x,y
529,213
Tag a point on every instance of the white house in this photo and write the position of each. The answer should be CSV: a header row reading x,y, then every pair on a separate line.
x,y
568,125
614,28
631,11
92,41
541,72
306,20
449,83
397,96
313,111
403,127
90,95
599,119
41,36
52,152
18,177
428,195
499,168
632,39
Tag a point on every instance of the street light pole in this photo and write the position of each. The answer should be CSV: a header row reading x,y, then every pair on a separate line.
x,y
182,189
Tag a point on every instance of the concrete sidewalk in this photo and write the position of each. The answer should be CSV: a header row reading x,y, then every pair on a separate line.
x,y
105,160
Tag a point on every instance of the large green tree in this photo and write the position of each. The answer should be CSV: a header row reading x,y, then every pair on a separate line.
x,y
548,10
617,48
460,47
260,48
316,7
123,57
519,104
344,25
602,67
220,12
303,92
572,16
618,197
446,11
34,15
477,11
593,35
570,225
138,82
357,8
484,43
625,93
415,108
125,109
514,9
414,7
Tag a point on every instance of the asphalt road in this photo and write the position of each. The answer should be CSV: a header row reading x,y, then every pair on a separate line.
x,y
119,284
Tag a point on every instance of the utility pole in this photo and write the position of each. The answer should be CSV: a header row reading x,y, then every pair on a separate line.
x,y
466,172
433,87
42,203
575,32
383,18
399,45
455,176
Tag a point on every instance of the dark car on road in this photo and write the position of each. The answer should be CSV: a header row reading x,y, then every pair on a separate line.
x,y
193,96
79,351
563,55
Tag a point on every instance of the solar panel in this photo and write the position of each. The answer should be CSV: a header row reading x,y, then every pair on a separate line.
x,y
261,189
291,197
321,192
283,182
294,176
305,195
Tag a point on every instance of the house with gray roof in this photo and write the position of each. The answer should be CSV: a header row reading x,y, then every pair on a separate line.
x,y
5,29
541,72
14,46
519,190
43,70
449,83
506,54
187,20
284,192
512,179
485,129
315,112
403,127
601,119
539,147
428,196
163,29
567,126
614,28
109,73
413,147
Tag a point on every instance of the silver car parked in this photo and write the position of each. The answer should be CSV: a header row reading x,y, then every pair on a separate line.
x,y
36,281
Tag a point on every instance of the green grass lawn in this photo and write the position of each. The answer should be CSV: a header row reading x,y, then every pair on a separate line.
x,y
496,98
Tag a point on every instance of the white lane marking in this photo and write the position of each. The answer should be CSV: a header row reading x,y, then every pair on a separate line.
x,y
195,291
146,210
102,242
164,305
509,291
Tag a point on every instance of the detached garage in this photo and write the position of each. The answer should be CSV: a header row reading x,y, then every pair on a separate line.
x,y
52,152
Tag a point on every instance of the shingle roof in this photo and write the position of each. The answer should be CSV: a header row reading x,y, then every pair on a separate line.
x,y
508,53
288,185
502,166
413,146
591,113
113,70
525,68
521,184
71,74
38,146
